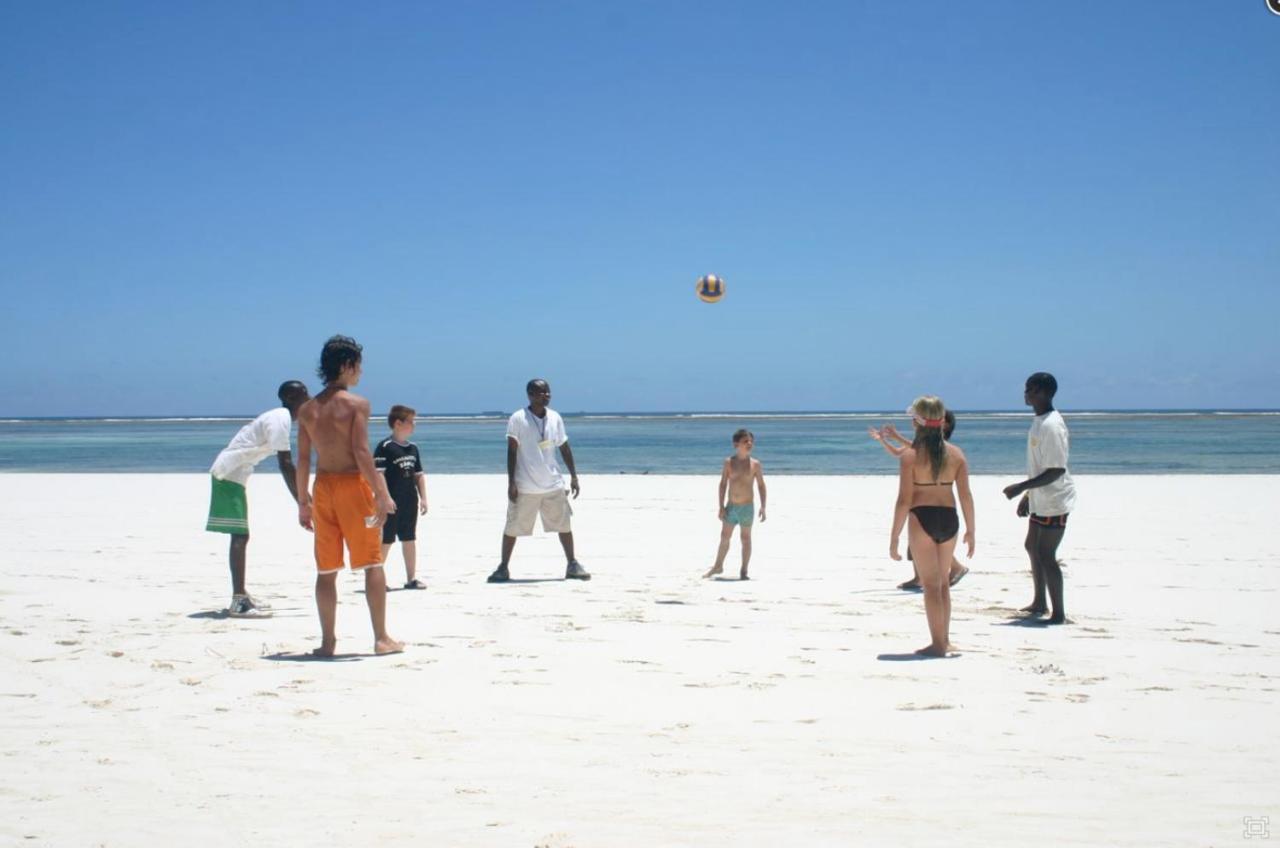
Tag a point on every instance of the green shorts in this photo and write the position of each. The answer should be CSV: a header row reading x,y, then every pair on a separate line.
x,y
228,508
740,514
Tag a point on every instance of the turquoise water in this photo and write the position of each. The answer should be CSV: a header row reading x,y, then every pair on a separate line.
x,y
691,443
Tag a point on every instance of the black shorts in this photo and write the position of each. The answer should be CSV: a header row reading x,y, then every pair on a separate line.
x,y
403,522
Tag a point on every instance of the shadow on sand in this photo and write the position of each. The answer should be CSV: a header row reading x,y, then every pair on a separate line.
x,y
1024,621
913,657
310,657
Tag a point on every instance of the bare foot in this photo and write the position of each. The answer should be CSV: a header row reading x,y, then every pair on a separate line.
x,y
715,569
743,575
1058,619
932,650
1034,610
911,585
326,648
957,574
387,645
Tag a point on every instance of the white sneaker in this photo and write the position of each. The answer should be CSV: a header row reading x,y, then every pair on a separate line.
x,y
244,606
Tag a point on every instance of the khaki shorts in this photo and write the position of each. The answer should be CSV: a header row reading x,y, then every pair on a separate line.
x,y
552,506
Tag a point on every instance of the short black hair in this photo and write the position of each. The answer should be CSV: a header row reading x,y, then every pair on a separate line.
x,y
743,433
1044,381
290,389
528,387
338,352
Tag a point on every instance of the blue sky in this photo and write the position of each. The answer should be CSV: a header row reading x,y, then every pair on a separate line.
x,y
903,198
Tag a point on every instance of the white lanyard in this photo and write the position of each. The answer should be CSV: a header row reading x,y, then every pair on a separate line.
x,y
542,424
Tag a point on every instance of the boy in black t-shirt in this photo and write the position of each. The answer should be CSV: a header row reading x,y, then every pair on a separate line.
x,y
397,458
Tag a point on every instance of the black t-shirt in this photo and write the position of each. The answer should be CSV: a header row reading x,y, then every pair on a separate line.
x,y
401,465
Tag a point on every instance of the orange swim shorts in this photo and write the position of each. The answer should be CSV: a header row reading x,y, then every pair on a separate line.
x,y
340,505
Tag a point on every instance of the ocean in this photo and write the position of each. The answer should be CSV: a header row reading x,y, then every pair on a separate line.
x,y
1104,442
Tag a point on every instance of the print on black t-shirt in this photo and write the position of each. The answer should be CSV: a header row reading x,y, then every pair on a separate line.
x,y
401,464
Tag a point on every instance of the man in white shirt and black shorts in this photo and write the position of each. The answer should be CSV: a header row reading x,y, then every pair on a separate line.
x,y
1048,496
535,486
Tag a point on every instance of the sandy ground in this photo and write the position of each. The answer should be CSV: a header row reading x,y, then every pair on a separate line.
x,y
647,707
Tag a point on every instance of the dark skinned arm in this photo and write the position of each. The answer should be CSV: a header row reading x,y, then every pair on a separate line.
x,y
567,453
512,447
285,460
1044,478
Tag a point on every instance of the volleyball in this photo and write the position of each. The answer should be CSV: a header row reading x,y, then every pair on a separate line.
x,y
710,288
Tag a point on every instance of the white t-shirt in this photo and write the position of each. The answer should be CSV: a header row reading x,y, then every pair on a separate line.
x,y
1047,447
536,441
257,440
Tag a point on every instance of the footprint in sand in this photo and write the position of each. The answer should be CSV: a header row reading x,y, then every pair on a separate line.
x,y
306,712
923,707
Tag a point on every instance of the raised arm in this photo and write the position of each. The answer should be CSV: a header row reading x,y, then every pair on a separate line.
x,y
903,505
883,435
302,476
364,461
966,504
764,493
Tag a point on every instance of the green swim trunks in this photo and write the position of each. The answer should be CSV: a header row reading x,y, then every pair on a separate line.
x,y
228,508
740,514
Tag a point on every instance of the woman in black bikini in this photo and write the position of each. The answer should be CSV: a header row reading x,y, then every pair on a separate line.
x,y
927,507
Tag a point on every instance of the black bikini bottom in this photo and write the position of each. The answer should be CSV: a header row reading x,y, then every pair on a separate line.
x,y
940,522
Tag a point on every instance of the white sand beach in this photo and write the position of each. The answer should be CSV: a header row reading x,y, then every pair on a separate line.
x,y
647,707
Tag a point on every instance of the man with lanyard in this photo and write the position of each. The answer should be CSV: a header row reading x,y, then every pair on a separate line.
x,y
535,486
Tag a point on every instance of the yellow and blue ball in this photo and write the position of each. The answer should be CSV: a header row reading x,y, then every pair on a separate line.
x,y
710,288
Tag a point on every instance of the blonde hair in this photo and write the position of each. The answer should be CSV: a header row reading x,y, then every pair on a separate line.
x,y
929,408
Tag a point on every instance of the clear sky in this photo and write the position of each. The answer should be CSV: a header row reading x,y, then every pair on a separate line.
x,y
904,197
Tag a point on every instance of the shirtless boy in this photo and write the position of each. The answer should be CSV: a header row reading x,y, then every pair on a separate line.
x,y
740,473
351,501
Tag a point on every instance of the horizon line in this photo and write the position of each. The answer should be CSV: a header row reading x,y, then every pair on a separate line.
x,y
660,414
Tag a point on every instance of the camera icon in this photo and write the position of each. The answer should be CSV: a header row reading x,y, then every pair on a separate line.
x,y
1257,827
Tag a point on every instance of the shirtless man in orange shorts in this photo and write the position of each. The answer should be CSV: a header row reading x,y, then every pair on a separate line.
x,y
344,507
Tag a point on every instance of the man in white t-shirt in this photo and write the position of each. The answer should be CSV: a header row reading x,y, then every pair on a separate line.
x,y
229,504
1048,496
535,486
